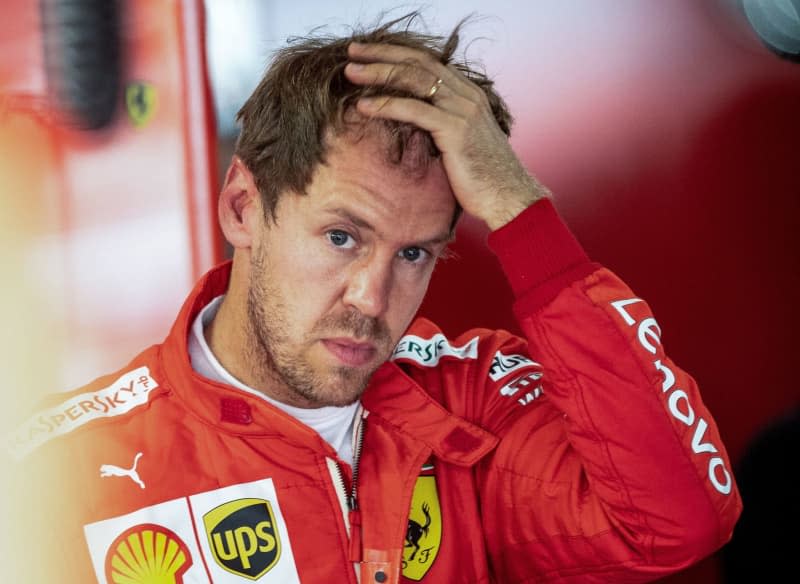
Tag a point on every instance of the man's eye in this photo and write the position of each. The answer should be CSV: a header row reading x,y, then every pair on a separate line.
x,y
413,254
341,239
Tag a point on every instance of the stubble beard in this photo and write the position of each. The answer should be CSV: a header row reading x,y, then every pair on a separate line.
x,y
278,361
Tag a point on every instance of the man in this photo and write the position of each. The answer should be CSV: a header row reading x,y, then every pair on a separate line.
x,y
297,426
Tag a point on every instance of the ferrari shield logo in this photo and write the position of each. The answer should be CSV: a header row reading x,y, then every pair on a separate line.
x,y
243,538
140,102
424,532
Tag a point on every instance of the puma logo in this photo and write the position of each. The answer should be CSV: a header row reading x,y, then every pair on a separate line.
x,y
110,470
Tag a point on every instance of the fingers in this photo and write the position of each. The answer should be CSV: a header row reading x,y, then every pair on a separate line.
x,y
405,76
406,109
386,53
417,72
484,173
447,104
405,68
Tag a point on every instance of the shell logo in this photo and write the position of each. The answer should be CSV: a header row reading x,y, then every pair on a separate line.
x,y
147,554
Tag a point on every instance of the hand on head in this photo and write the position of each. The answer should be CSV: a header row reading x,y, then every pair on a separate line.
x,y
486,176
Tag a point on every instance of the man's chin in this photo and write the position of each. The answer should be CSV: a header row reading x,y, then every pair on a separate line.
x,y
321,383
322,398
346,387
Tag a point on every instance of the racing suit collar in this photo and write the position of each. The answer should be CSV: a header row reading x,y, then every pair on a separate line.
x,y
401,402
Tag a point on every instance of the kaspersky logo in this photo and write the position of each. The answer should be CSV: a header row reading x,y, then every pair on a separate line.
x,y
147,554
243,538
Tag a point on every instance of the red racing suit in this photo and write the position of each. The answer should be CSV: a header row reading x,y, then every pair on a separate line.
x,y
580,454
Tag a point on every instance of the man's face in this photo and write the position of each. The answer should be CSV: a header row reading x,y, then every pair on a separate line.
x,y
337,278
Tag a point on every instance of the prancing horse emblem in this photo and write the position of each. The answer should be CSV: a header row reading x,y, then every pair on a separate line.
x,y
424,531
415,531
110,470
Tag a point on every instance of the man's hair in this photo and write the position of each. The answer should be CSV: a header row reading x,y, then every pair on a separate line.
x,y
304,94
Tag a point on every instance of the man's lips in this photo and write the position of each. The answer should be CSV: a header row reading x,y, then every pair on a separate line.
x,y
350,352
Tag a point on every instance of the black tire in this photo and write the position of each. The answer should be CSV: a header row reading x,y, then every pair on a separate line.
x,y
82,49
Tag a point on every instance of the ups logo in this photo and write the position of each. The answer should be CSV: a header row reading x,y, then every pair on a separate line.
x,y
243,538
424,532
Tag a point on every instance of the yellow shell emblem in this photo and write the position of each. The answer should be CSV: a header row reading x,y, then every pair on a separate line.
x,y
424,532
147,554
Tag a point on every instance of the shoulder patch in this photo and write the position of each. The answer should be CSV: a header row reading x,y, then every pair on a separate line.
x,y
504,365
129,391
428,352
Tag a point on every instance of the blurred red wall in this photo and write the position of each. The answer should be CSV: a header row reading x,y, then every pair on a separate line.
x,y
125,214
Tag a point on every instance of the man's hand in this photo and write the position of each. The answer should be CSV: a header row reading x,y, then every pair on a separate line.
x,y
486,176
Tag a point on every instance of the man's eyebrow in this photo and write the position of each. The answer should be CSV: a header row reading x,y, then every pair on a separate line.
x,y
354,219
445,237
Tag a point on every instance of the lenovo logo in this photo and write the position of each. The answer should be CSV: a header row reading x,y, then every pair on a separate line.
x,y
678,403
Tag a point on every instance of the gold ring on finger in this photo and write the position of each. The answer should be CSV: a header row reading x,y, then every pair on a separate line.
x,y
434,88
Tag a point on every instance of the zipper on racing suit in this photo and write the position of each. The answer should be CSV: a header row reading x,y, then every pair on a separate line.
x,y
349,501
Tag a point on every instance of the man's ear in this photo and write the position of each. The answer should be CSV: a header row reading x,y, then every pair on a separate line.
x,y
239,205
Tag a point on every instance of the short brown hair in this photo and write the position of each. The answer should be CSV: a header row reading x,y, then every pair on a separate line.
x,y
304,93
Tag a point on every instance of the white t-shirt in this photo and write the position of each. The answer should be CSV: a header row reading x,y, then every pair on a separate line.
x,y
333,424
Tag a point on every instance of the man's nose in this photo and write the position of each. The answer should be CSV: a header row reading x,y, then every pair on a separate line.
x,y
368,287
